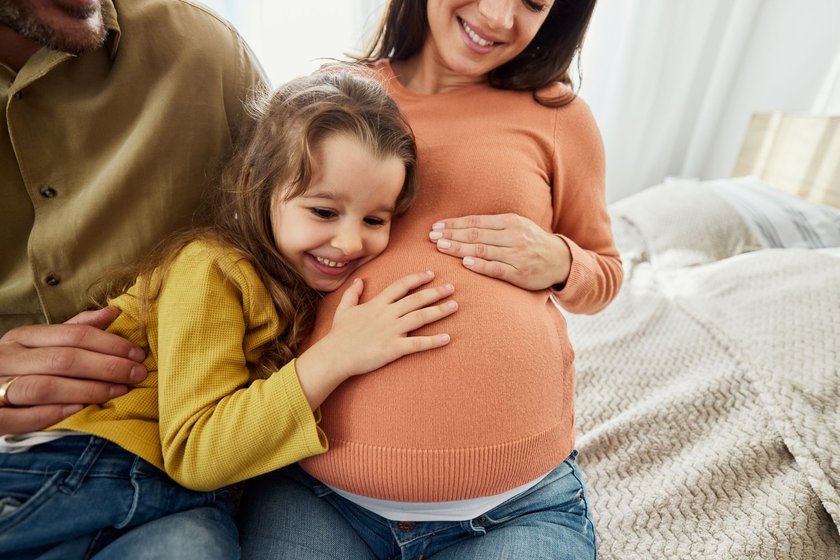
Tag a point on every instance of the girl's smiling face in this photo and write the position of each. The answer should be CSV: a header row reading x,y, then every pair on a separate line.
x,y
469,38
343,219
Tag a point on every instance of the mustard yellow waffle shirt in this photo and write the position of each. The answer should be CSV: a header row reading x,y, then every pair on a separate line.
x,y
202,414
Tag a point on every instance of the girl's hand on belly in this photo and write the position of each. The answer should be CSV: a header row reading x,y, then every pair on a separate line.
x,y
505,246
366,336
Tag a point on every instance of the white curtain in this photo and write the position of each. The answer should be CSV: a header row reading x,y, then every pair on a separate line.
x,y
672,83
828,99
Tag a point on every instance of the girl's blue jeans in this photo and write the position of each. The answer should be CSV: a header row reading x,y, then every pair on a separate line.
x,y
85,497
290,515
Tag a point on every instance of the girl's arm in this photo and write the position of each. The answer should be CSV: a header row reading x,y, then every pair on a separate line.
x,y
217,424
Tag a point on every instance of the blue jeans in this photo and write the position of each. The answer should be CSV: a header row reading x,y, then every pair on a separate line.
x,y
85,497
288,514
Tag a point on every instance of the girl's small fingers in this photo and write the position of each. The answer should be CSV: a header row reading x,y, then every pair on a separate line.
x,y
350,297
412,344
422,298
427,315
399,288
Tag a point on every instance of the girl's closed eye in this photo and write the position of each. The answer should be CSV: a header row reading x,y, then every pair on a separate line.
x,y
324,213
376,222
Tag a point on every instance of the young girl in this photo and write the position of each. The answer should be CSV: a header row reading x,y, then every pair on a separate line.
x,y
308,198
469,452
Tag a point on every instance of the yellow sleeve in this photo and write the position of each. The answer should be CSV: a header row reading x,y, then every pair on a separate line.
x,y
216,426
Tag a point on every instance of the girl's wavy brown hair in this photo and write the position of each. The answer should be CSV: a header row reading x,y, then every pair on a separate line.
x,y
275,151
545,61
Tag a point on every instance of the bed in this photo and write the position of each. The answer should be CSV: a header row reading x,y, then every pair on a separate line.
x,y
708,392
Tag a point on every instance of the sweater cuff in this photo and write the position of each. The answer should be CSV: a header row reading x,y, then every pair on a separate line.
x,y
561,285
313,436
578,273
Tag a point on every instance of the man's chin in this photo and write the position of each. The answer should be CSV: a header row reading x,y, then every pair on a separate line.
x,y
84,35
67,29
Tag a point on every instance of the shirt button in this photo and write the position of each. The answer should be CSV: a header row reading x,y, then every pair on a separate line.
x,y
52,280
48,192
406,526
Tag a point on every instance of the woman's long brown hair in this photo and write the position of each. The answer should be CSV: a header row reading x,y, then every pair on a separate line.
x,y
545,61
275,152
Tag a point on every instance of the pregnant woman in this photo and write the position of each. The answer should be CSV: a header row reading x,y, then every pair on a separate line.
x,y
468,452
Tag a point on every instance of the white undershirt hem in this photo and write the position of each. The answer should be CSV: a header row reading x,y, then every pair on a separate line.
x,y
18,443
457,510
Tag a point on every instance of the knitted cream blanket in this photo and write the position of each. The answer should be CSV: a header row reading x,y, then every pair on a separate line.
x,y
708,396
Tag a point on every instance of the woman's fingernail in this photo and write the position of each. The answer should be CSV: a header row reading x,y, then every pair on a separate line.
x,y
438,225
444,244
469,261
435,235
444,338
449,287
451,305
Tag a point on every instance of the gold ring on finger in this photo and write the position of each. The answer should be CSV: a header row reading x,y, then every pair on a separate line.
x,y
4,391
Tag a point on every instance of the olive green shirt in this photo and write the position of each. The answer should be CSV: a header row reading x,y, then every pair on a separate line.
x,y
103,154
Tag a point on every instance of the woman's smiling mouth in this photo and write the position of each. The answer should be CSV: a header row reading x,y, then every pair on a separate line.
x,y
476,38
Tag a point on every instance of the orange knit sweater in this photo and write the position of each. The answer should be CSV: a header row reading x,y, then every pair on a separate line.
x,y
493,409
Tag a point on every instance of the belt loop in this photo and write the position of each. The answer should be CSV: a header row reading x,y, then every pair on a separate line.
x,y
474,527
83,464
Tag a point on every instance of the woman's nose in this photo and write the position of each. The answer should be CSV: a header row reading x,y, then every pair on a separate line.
x,y
497,13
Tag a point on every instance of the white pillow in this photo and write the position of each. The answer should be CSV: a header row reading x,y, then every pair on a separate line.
x,y
679,224
779,219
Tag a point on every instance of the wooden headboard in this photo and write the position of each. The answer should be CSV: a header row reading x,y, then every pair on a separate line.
x,y
797,153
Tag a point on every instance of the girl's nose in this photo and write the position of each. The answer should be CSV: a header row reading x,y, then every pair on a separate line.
x,y
348,240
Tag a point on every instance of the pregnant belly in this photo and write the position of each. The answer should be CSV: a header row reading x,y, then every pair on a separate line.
x,y
505,370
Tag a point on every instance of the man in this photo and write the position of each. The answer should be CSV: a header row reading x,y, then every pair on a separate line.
x,y
117,116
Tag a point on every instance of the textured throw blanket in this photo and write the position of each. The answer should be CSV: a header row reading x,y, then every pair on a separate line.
x,y
708,394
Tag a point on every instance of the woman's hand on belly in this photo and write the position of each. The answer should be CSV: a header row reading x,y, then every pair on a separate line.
x,y
505,246
366,336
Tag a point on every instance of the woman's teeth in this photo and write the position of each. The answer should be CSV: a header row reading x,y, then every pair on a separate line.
x,y
474,36
331,264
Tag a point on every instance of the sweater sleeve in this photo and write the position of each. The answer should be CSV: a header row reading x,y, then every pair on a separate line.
x,y
580,212
217,427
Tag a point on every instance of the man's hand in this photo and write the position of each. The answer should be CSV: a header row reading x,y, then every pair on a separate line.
x,y
60,368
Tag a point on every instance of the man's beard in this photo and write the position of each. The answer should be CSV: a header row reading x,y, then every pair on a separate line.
x,y
20,17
